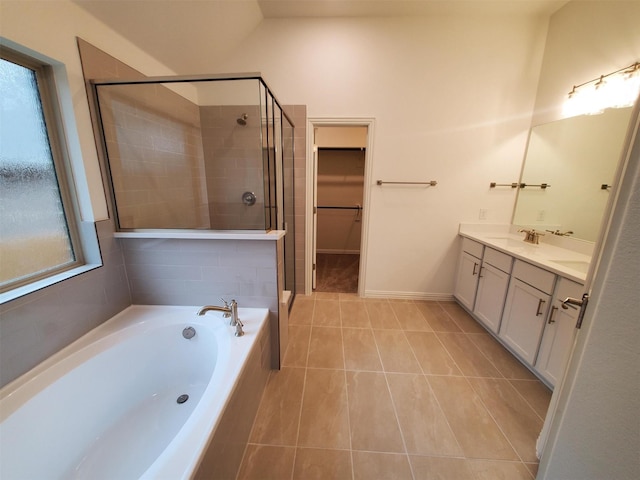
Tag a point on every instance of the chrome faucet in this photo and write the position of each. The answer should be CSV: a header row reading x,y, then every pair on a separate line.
x,y
531,236
230,310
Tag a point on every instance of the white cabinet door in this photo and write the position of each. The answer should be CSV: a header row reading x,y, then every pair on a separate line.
x,y
467,279
525,313
492,289
559,333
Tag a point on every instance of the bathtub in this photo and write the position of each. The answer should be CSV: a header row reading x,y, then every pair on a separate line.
x,y
113,404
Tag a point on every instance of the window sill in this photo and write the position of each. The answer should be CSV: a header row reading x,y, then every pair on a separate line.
x,y
46,282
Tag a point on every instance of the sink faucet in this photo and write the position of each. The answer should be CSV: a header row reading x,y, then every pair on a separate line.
x,y
229,310
561,234
531,236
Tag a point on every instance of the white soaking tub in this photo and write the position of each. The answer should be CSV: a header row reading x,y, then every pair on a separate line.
x,y
112,405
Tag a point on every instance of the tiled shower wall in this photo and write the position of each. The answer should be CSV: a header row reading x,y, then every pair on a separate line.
x,y
298,115
35,326
155,153
233,163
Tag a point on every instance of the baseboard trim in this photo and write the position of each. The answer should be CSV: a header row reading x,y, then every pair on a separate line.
x,y
433,297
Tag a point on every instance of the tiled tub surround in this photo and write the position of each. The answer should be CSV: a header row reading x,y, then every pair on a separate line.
x,y
200,271
35,326
128,373
397,389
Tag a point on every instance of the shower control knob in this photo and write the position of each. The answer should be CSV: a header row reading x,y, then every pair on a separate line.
x,y
249,198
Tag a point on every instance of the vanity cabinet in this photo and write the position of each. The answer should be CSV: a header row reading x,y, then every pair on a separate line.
x,y
468,272
559,332
526,309
493,282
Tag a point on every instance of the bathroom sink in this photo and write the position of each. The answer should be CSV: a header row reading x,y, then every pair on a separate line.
x,y
579,265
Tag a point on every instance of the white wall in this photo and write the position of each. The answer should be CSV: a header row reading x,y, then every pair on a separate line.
x,y
452,100
596,432
50,28
585,40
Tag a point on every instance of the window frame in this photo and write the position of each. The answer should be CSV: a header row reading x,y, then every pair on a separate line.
x,y
54,123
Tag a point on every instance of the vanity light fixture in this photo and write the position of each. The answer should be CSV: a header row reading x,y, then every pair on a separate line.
x,y
614,90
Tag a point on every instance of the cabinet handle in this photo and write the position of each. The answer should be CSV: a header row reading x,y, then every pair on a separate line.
x,y
480,273
541,302
552,314
475,265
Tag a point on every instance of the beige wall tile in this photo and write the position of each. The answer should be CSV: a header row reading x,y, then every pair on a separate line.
x,y
278,417
322,464
474,428
424,427
325,348
324,422
360,350
369,399
431,354
395,352
380,466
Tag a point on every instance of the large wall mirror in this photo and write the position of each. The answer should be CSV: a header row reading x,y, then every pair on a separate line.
x,y
577,158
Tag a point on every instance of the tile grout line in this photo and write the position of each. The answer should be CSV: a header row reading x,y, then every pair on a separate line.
x,y
433,393
497,424
472,388
393,403
346,391
304,387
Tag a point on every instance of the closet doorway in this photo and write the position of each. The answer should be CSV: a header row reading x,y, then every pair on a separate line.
x,y
340,154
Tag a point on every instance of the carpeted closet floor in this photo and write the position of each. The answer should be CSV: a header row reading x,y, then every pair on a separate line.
x,y
337,273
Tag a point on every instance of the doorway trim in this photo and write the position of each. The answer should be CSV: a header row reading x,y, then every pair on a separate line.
x,y
313,122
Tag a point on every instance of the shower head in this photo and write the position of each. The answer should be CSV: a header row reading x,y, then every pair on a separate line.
x,y
243,119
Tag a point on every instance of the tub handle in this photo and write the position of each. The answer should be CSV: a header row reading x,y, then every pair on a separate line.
x,y
239,331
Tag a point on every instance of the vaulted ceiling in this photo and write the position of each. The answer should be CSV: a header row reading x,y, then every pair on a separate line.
x,y
191,35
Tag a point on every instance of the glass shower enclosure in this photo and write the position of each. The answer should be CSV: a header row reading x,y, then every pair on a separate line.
x,y
202,153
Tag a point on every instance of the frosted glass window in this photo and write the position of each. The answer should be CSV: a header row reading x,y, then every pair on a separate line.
x,y
34,234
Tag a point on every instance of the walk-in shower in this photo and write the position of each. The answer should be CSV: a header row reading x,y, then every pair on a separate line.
x,y
186,152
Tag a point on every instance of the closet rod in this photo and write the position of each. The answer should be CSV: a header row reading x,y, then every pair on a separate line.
x,y
356,207
432,183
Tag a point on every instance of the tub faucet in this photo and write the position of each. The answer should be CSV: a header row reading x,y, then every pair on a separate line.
x,y
229,310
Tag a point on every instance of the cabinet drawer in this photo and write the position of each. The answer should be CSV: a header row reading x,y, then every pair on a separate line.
x,y
538,278
471,247
500,260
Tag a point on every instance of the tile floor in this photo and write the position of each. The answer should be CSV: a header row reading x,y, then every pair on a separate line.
x,y
394,389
